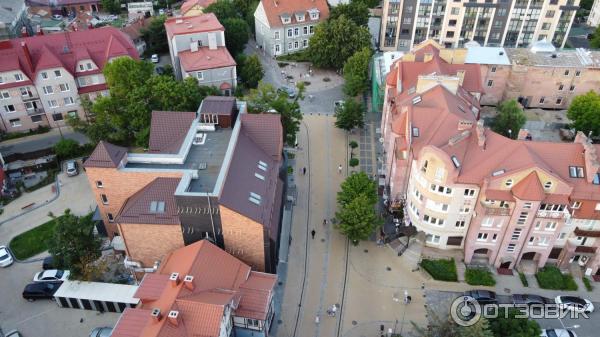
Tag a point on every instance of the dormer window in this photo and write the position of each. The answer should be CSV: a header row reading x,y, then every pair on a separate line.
x,y
314,14
300,17
576,172
286,19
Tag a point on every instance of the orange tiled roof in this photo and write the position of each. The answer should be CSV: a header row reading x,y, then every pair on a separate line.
x,y
529,188
276,8
193,24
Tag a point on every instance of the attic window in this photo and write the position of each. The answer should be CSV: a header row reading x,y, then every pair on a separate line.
x,y
455,161
415,132
576,172
497,173
412,90
262,165
416,100
259,176
255,198
596,180
300,17
157,207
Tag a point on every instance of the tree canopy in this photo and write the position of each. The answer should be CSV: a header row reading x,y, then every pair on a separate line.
x,y
510,117
155,36
250,70
358,219
223,9
266,99
595,41
111,6
584,112
510,326
356,72
446,327
74,246
356,11
124,116
236,35
335,41
350,115
357,184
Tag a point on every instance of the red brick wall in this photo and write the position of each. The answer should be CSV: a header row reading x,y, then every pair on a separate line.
x,y
244,238
148,243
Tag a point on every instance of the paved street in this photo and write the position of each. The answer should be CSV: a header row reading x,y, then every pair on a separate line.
x,y
41,141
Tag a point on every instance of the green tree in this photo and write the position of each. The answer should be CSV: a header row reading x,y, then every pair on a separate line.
x,y
74,245
358,219
249,16
446,327
66,148
111,6
335,41
506,325
266,99
250,70
510,117
223,9
584,112
356,72
355,185
236,35
155,36
350,115
595,41
369,3
356,11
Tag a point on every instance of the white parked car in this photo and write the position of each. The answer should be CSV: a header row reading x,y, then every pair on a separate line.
x,y
574,303
154,58
6,258
51,275
557,333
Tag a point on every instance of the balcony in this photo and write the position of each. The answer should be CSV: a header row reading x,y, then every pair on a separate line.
x,y
585,249
553,214
30,96
586,233
496,211
33,112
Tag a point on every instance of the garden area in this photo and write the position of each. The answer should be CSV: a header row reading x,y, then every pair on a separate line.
x,y
479,277
32,242
551,277
441,270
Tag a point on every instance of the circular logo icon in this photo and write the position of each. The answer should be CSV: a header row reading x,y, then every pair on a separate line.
x,y
465,311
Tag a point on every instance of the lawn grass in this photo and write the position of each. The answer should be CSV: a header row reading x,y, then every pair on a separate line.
x,y
32,242
441,270
479,277
588,284
524,279
551,278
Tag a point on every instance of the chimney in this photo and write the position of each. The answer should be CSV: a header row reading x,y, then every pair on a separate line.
x,y
155,314
188,282
38,30
174,278
27,55
480,134
174,317
464,124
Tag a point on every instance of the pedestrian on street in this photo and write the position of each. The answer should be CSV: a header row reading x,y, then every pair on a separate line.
x,y
312,233
340,169
324,222
304,171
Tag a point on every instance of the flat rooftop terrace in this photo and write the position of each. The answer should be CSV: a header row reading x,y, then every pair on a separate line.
x,y
564,58
206,159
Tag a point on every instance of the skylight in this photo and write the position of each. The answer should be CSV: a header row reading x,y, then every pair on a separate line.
x,y
416,100
262,165
259,176
455,161
498,172
157,206
255,198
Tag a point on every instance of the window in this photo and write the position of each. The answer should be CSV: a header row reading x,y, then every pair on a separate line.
x,y
522,218
550,14
508,183
566,72
99,184
64,87
48,90
305,43
527,205
543,241
578,73
296,31
15,122
72,113
550,226
455,11
511,247
576,204
493,69
542,99
407,21
494,237
88,66
69,100
435,239
44,75
311,29
81,67
452,23
305,30
52,103
460,224
562,236
449,34
57,73
57,117
110,217
424,167
464,209
1,79
290,46
490,83
516,234
300,18
19,77
314,15
9,108
548,185
482,236
440,189
439,173
415,132
572,88
25,92
559,101
104,199
296,44
290,32
561,87
576,172
286,19
200,75
487,222
469,192
4,95
546,26
36,118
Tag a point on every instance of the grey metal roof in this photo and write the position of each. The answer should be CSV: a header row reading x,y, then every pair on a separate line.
x,y
168,130
10,10
221,105
106,155
139,207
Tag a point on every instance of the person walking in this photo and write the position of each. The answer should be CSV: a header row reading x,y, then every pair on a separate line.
x,y
324,222
340,169
312,233
304,171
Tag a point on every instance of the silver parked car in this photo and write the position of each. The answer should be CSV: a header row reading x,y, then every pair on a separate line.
x,y
101,332
72,169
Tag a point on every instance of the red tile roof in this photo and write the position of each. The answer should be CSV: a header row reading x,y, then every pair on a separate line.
x,y
205,58
186,6
220,105
63,50
503,195
132,322
137,208
219,280
168,130
276,8
152,286
529,188
193,24
106,155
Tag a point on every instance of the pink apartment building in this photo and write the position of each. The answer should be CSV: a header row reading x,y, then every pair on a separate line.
x,y
507,203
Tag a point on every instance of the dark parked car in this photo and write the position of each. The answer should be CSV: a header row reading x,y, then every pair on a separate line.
x,y
483,296
529,299
40,290
48,263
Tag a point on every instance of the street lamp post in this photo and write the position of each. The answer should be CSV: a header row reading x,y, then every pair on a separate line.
x,y
576,326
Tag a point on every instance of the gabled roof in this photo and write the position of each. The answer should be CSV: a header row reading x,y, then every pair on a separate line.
x,y
189,4
529,188
168,130
205,58
275,9
193,24
106,155
220,105
266,131
153,204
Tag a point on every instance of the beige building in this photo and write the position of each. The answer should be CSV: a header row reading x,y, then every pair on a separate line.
x,y
594,17
513,23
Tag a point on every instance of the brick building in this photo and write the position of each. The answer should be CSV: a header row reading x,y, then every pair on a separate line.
x,y
43,77
200,290
217,174
508,203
